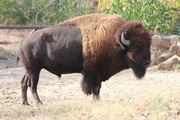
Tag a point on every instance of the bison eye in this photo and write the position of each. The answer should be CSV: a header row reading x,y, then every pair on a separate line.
x,y
135,48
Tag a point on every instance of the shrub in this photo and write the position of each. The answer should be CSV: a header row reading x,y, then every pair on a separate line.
x,y
156,16
41,12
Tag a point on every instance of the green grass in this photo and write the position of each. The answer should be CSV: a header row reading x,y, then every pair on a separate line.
x,y
2,53
6,59
176,67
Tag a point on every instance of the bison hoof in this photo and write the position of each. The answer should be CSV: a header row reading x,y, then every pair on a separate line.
x,y
96,97
39,103
25,103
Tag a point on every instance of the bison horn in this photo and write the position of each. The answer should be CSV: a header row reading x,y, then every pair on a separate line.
x,y
124,41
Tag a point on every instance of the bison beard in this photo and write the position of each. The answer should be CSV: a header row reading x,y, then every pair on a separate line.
x,y
139,72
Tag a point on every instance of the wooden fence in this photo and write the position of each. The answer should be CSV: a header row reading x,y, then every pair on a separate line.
x,y
22,27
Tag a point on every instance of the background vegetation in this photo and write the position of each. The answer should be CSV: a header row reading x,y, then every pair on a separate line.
x,y
40,12
159,16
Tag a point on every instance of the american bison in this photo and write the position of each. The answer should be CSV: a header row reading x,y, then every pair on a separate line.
x,y
96,45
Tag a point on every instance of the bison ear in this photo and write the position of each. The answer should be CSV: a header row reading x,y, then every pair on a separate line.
x,y
124,41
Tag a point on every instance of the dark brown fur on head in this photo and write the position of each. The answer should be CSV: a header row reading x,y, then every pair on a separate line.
x,y
138,52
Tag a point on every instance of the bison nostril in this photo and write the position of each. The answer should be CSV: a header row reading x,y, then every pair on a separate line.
x,y
147,63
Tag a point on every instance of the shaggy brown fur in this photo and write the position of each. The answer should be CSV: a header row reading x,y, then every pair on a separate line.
x,y
134,30
98,32
100,48
139,49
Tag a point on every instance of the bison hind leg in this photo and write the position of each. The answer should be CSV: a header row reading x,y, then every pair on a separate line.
x,y
24,87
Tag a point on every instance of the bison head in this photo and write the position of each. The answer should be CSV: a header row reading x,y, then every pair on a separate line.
x,y
135,41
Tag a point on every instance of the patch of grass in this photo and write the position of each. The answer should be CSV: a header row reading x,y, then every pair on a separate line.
x,y
159,109
159,105
66,109
176,67
2,53
6,59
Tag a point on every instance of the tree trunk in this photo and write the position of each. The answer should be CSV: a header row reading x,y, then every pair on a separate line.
x,y
163,57
168,64
175,49
164,41
155,55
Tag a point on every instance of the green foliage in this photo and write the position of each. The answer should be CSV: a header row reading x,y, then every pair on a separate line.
x,y
2,53
6,59
176,67
156,16
40,12
9,11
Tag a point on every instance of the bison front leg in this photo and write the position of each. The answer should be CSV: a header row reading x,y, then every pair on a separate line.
x,y
96,92
91,85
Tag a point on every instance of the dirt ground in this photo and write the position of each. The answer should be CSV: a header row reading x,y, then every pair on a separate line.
x,y
163,85
160,84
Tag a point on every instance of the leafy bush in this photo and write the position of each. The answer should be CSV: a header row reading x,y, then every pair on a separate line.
x,y
156,16
176,67
6,59
41,12
10,13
